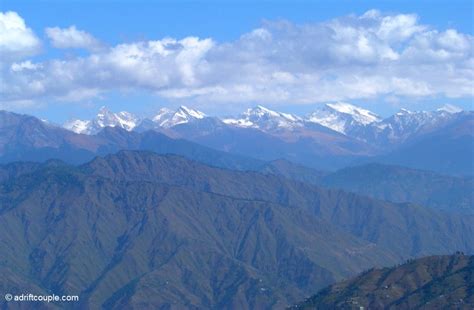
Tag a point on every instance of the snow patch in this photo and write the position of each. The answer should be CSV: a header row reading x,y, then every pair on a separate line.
x,y
449,108
342,117
265,119
167,118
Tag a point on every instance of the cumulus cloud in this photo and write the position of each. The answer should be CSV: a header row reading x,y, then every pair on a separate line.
x,y
72,38
16,40
351,57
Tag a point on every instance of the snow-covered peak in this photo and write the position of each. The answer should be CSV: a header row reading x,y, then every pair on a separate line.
x,y
187,112
265,119
162,115
361,115
449,108
408,118
260,111
406,123
103,111
404,111
168,118
122,119
342,117
77,125
104,118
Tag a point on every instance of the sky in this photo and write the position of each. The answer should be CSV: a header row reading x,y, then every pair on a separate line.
x,y
65,59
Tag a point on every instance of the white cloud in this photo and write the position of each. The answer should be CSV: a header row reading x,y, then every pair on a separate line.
x,y
352,57
16,40
72,38
25,65
398,28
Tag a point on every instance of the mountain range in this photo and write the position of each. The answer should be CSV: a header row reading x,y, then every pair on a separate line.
x,y
430,182
138,229
329,138
435,282
185,210
341,117
26,138
448,149
104,118
440,141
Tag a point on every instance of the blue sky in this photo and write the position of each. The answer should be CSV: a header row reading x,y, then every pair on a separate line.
x,y
237,31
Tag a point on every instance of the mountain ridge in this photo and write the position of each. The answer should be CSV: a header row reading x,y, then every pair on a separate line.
x,y
312,144
139,216
341,117
25,138
436,282
329,138
402,184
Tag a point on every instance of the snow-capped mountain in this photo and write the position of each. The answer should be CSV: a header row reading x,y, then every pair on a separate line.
x,y
406,124
406,121
449,108
352,121
79,126
165,118
265,119
104,118
168,118
342,117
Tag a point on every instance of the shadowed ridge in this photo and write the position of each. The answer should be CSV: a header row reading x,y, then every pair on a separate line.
x,y
435,282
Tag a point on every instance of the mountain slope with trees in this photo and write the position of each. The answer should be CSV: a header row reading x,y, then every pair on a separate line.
x,y
436,282
190,235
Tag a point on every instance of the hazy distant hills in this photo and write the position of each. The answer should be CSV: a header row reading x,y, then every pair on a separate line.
x,y
24,137
314,146
399,184
293,171
436,282
448,150
180,233
387,182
